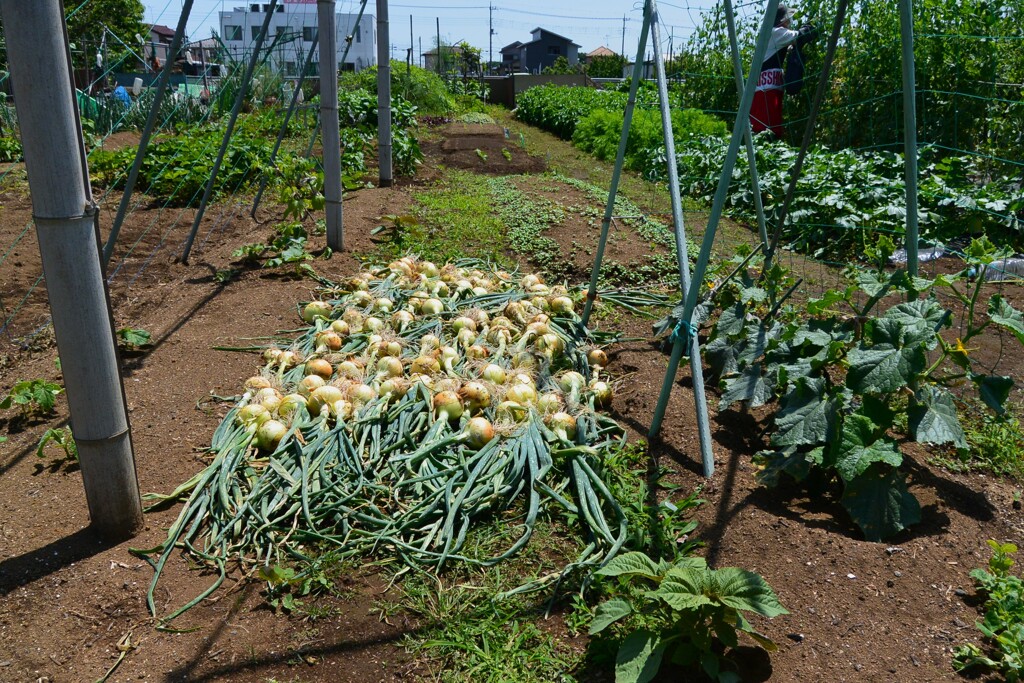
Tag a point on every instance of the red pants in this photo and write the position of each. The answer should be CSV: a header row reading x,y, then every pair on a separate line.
x,y
766,112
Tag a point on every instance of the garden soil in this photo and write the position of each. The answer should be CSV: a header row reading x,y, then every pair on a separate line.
x,y
73,607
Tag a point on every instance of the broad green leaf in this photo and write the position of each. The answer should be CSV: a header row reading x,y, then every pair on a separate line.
x,y
683,588
873,283
639,657
748,386
607,613
1006,316
134,337
828,301
933,418
994,390
860,447
883,368
805,418
879,503
877,410
771,465
630,563
731,321
754,294
745,590
721,354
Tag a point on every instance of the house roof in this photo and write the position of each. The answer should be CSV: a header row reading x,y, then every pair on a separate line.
x,y
512,46
550,33
602,52
162,30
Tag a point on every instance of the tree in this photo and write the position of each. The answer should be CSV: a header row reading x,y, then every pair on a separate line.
x,y
87,24
606,66
561,66
468,58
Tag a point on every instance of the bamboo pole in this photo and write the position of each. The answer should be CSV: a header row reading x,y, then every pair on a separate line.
x,y
69,245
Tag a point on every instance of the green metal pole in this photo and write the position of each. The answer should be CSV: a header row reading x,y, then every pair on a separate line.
x,y
739,129
243,87
805,144
147,132
755,182
283,130
683,261
620,157
909,130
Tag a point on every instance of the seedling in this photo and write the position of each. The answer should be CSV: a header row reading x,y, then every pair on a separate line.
x,y
64,439
133,339
33,397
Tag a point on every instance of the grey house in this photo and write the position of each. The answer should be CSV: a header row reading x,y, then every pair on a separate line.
x,y
539,53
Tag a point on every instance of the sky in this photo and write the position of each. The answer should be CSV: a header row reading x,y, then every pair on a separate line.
x,y
600,24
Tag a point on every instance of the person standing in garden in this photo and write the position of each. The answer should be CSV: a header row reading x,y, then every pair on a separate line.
x,y
766,109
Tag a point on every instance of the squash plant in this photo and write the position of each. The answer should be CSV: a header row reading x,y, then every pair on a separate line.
x,y
852,368
681,610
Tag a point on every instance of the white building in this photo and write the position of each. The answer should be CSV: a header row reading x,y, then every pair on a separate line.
x,y
293,32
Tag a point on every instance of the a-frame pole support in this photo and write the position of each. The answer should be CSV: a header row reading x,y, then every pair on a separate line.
x,y
687,342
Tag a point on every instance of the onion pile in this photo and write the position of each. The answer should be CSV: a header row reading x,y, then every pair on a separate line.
x,y
418,399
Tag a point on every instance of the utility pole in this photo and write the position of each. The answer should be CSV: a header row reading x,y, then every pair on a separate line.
x,y
622,50
438,49
65,218
490,36
412,46
327,38
383,96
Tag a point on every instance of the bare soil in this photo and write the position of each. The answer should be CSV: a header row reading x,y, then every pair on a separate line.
x,y
71,606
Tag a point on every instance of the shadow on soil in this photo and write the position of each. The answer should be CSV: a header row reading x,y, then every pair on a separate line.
x,y
22,570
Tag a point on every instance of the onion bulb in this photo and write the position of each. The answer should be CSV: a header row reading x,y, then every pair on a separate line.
x,y
564,425
479,432
256,383
389,366
308,383
447,405
383,304
428,268
391,348
287,359
464,322
373,324
509,411
271,354
494,373
361,393
252,415
361,298
432,307
291,403
549,402
561,305
524,360
424,365
475,395
340,328
465,337
597,357
550,345
529,280
341,409
429,342
602,393
328,339
269,435
316,309
476,352
394,387
523,394
318,366
401,318
321,398
354,319
349,369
